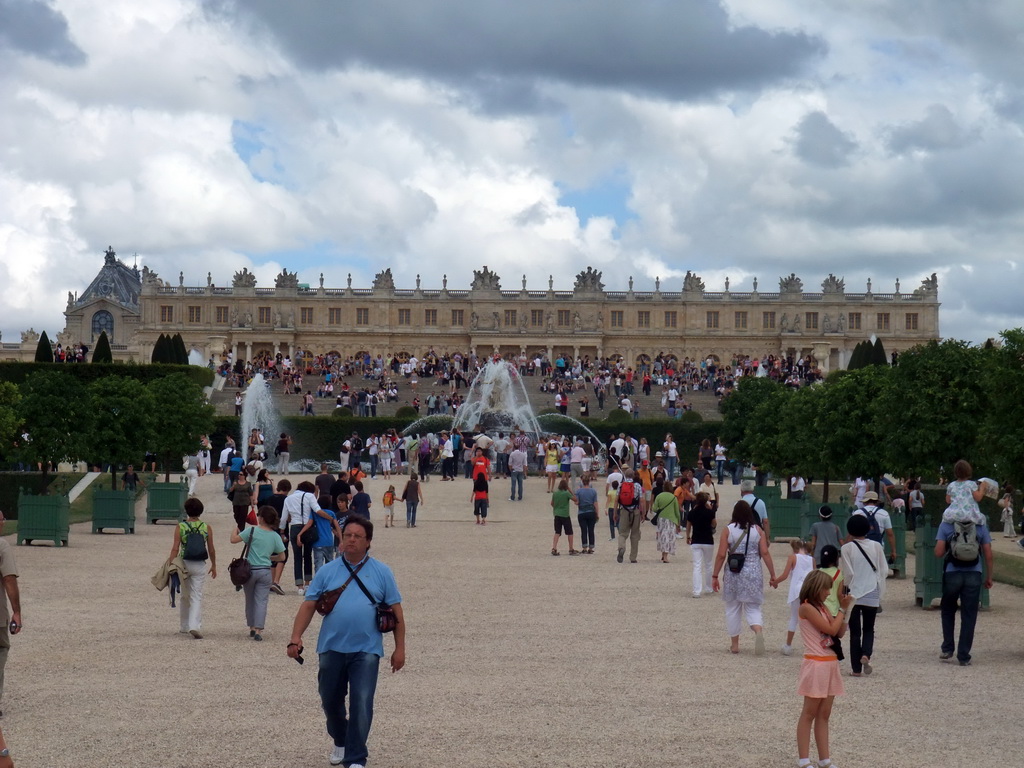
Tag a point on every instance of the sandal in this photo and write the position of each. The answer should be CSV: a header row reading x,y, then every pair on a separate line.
x,y
574,551
554,552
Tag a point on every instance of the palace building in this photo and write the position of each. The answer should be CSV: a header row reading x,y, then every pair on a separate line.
x,y
295,319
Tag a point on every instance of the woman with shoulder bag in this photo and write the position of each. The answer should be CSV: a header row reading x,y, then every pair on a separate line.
x,y
665,507
743,588
264,547
864,569
412,495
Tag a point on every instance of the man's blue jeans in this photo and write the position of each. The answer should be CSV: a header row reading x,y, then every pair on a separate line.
x,y
354,674
517,481
964,586
670,467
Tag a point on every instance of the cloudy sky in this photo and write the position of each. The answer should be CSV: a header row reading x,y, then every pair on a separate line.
x,y
739,139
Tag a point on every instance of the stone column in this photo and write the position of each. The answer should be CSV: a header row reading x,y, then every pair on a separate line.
x,y
248,351
234,352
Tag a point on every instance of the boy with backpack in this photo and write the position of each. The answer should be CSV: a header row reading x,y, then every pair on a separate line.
x,y
879,523
629,515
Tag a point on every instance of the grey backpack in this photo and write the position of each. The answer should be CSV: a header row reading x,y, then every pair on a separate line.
x,y
963,545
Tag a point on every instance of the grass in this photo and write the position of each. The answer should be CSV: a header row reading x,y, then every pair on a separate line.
x,y
1009,569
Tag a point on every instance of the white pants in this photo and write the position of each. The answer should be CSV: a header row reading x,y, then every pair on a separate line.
x,y
191,475
282,462
190,603
735,612
204,461
702,557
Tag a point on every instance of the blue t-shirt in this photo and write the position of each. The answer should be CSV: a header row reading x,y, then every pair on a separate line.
x,y
352,626
237,463
324,530
586,497
360,505
945,533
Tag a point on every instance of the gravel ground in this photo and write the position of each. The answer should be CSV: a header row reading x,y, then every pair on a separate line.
x,y
515,658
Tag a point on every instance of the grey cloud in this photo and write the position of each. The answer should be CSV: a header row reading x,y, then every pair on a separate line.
x,y
670,49
937,130
820,142
33,27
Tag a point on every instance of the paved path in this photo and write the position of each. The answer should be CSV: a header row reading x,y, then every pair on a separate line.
x,y
516,658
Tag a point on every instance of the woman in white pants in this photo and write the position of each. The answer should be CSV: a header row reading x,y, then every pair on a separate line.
x,y
191,600
192,472
700,535
743,591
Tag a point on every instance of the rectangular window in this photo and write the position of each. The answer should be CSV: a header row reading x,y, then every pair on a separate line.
x,y
166,313
563,318
537,318
404,317
712,321
511,320
458,317
882,321
195,314
430,317
671,319
362,316
334,316
264,315
306,315
643,319
740,320
768,320
853,320
911,320
222,315
618,318
811,321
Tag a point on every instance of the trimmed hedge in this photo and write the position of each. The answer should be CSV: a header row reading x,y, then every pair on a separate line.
x,y
31,482
17,372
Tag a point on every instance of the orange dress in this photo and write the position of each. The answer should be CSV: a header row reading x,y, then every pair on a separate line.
x,y
819,672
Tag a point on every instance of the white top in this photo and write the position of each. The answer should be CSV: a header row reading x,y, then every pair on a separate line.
x,y
670,449
804,565
720,451
857,572
797,483
298,507
881,516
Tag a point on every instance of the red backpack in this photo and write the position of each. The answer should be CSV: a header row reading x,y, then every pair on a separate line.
x,y
628,497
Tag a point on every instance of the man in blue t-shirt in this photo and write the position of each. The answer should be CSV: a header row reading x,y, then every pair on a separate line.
x,y
350,645
962,583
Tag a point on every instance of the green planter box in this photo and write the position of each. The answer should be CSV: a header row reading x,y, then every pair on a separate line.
x,y
165,501
786,518
113,509
43,518
928,568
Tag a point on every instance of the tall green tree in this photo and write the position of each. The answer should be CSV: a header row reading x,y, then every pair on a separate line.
x,y
181,415
878,354
1001,436
44,352
122,422
56,412
179,353
160,350
738,409
9,418
102,353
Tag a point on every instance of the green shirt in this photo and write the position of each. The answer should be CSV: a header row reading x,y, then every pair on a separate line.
x,y
668,506
560,503
264,544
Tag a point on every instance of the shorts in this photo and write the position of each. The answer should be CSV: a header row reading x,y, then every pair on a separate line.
x,y
552,468
563,525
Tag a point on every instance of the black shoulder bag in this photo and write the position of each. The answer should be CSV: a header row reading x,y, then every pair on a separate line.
x,y
309,536
736,560
386,618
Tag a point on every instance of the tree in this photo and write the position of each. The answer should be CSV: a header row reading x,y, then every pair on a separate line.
x,y
122,422
9,419
102,353
738,411
179,353
55,411
878,354
859,357
44,352
181,415
1002,431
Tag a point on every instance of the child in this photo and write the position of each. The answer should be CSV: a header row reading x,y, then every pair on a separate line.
x,y
479,498
963,495
613,500
829,565
824,532
820,681
799,564
1006,504
389,507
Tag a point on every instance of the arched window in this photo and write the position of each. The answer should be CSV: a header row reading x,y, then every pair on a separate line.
x,y
103,321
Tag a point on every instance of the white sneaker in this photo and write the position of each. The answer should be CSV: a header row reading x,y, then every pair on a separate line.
x,y
356,765
337,756
302,590
787,650
695,594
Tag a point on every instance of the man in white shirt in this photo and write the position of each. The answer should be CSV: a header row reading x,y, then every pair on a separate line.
x,y
576,455
796,487
224,462
872,510
517,463
671,457
618,447
298,509
756,504
501,451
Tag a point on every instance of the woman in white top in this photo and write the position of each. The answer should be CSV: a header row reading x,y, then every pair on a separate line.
x,y
864,570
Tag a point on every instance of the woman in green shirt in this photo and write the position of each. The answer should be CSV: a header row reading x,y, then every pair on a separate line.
x,y
666,506
265,547
560,500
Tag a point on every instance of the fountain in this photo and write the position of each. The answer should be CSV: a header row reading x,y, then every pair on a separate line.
x,y
497,400
259,412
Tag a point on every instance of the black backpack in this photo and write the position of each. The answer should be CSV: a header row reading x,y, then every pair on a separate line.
x,y
194,545
874,529
755,513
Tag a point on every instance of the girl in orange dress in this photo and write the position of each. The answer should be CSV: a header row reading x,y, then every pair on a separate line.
x,y
820,681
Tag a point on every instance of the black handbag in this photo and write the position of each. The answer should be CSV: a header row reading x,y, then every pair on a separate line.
x,y
386,618
736,560
308,536
240,570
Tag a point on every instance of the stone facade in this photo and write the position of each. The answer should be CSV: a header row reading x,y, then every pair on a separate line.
x,y
588,320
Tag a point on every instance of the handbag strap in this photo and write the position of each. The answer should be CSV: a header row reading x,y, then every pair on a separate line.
x,y
355,575
248,545
865,555
734,547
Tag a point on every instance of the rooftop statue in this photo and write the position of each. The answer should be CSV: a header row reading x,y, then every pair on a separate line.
x,y
287,280
833,284
244,279
384,281
588,281
692,282
930,285
485,280
30,336
791,284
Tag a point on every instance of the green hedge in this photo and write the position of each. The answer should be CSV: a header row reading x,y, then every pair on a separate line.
x,y
31,482
16,372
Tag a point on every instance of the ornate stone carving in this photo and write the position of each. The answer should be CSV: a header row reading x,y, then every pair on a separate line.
x,y
796,322
485,280
791,284
149,277
110,257
243,279
929,286
384,281
495,321
784,323
588,281
841,323
826,325
692,283
287,280
474,321
577,322
30,336
833,284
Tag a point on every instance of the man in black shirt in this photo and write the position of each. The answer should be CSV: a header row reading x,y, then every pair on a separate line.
x,y
340,492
